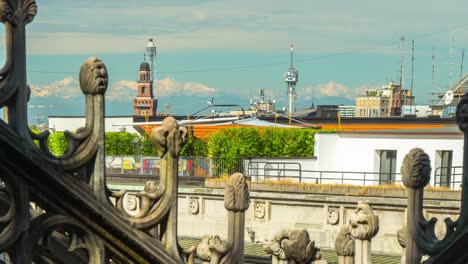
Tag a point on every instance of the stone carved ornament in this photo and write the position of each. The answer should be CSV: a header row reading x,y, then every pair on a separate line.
x,y
211,249
344,243
236,200
131,203
260,209
193,206
364,224
292,246
236,194
333,216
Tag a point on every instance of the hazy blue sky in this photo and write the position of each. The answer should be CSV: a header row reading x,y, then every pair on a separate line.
x,y
230,50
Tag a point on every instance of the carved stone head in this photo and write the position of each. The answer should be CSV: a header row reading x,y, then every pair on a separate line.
x,y
292,245
93,76
169,138
211,247
344,243
364,224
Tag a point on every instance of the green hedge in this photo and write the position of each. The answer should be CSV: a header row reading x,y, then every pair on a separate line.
x,y
233,143
262,142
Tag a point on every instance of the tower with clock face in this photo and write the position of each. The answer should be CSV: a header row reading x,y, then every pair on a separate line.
x,y
291,78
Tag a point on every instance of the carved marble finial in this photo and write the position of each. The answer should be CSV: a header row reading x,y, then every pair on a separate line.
x,y
93,76
364,224
24,13
344,243
236,194
211,249
294,246
416,169
169,137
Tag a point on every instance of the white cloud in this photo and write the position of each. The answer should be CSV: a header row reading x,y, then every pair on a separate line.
x,y
66,88
261,25
126,90
333,89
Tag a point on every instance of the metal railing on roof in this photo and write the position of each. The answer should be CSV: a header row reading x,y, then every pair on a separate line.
x,y
260,171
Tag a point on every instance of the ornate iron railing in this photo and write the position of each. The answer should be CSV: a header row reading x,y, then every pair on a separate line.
x,y
73,220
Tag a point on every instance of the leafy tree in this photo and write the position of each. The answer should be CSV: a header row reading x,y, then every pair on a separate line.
x,y
121,143
57,143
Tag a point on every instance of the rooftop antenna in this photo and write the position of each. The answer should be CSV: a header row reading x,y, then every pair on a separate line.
x,y
452,54
402,40
151,56
412,72
313,96
168,108
291,78
461,66
433,77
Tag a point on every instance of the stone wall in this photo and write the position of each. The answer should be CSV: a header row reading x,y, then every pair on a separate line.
x,y
319,209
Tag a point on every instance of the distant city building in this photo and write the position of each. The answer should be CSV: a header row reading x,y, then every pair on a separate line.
x,y
417,110
327,111
144,103
446,102
72,123
384,102
347,110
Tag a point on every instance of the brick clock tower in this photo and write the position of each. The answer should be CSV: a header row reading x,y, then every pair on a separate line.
x,y
144,103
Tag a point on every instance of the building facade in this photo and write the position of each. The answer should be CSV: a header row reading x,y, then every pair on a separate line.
x,y
347,110
144,103
384,102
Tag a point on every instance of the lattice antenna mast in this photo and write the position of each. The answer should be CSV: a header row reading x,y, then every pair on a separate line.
x,y
150,56
433,74
291,78
402,40
461,65
452,55
412,75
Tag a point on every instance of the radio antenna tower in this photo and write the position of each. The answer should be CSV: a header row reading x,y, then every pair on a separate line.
x,y
433,75
452,55
402,42
150,56
291,78
461,66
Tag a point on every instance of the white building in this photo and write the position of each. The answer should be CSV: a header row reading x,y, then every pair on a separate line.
x,y
418,110
72,123
371,157
347,110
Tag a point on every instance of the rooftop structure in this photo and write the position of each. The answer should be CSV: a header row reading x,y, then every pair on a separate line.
x,y
445,102
384,102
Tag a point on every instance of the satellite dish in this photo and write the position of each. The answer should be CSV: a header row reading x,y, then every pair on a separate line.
x,y
448,97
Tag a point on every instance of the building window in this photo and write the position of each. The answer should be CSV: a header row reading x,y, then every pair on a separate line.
x,y
444,168
387,166
143,90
